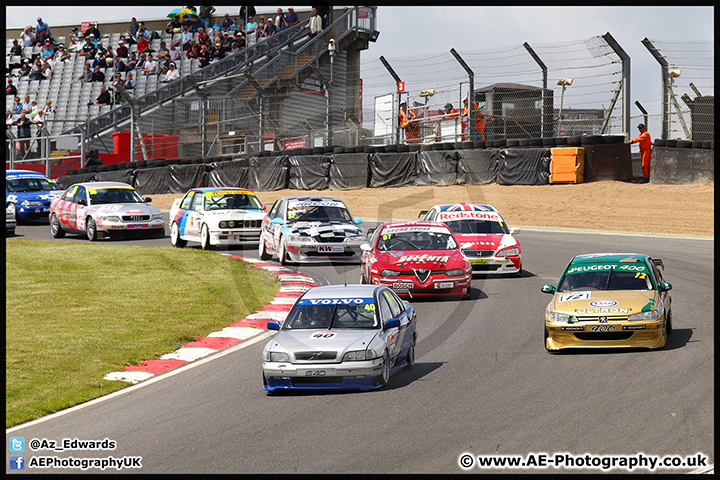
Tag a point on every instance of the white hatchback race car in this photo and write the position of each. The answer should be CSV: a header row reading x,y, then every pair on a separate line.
x,y
216,216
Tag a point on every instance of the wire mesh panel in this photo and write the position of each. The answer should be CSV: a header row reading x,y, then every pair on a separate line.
x,y
688,99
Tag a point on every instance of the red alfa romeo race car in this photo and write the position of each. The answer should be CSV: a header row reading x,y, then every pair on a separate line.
x,y
416,258
483,235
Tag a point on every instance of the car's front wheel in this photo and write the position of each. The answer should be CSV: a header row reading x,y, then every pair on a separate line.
x,y
262,249
384,376
12,208
55,228
175,239
91,229
205,237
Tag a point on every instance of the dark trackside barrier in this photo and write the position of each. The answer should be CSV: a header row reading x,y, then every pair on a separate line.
x,y
682,166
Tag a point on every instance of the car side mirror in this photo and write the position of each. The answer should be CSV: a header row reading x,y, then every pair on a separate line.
x,y
358,221
547,289
514,230
392,323
365,247
422,213
82,201
273,325
665,286
278,221
148,199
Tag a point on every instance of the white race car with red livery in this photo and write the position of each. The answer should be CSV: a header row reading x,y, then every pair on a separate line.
x,y
102,209
484,236
416,259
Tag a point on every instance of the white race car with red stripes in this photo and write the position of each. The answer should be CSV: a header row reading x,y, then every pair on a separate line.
x,y
484,236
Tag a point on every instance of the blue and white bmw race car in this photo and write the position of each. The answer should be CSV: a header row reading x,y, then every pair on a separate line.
x,y
28,194
341,337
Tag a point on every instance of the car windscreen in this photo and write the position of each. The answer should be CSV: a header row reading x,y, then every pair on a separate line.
x,y
112,194
332,313
30,184
231,200
606,279
318,213
429,239
470,226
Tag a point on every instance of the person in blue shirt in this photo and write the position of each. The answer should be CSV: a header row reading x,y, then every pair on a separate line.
x,y
42,30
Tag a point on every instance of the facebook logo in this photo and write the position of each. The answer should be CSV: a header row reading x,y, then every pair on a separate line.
x,y
17,444
17,462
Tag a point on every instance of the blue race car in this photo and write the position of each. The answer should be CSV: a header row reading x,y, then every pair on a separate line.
x,y
341,337
28,194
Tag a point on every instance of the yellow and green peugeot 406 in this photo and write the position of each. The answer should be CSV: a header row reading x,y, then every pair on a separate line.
x,y
609,300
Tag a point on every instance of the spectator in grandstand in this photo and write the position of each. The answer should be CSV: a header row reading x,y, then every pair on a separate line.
x,y
46,70
217,26
109,57
250,29
217,52
27,105
61,55
23,132
172,74
99,59
122,50
16,49
128,66
174,25
86,75
163,53
94,31
226,24
134,27
193,51
25,70
42,31
119,80
269,28
143,45
48,52
27,37
36,72
280,21
316,24
260,29
78,45
48,108
151,66
104,98
203,37
89,49
226,40
206,11
246,11
130,82
291,17
10,89
174,51
140,65
186,38
97,75
74,36
16,107
203,56
39,120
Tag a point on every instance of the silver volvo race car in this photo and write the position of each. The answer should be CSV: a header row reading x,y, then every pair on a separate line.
x,y
341,337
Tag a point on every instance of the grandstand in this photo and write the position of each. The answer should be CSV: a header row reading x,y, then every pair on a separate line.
x,y
279,90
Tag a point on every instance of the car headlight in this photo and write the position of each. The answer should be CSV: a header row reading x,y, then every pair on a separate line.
x,y
300,239
455,272
389,273
157,216
278,357
359,355
649,315
508,252
110,218
33,203
356,238
558,317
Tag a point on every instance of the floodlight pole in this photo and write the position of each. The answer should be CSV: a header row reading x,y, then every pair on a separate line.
x,y
546,103
664,75
625,86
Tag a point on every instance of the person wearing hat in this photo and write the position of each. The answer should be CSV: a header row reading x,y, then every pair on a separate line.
x,y
11,89
25,70
408,121
89,49
16,49
450,111
48,52
479,132
645,150
172,74
42,31
61,55
291,17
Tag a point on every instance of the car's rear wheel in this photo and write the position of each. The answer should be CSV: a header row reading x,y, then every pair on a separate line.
x,y
175,239
205,237
262,249
668,322
91,229
55,228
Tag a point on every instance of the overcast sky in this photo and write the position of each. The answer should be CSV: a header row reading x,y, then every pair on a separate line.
x,y
412,31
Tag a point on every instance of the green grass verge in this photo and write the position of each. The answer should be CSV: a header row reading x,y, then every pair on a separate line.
x,y
75,312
